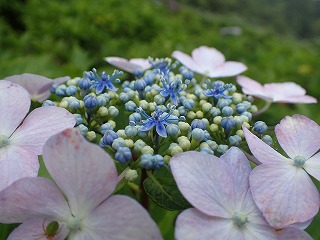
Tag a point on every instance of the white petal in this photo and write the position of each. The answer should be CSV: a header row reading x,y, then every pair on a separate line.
x,y
285,194
14,105
207,58
228,69
39,125
33,229
240,167
84,171
205,181
298,136
312,166
292,234
262,151
187,61
141,62
37,86
18,163
253,88
122,63
129,220
32,197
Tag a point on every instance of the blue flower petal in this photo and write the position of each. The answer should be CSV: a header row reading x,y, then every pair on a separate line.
x,y
161,130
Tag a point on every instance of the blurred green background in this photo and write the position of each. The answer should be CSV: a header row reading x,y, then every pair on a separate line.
x,y
279,40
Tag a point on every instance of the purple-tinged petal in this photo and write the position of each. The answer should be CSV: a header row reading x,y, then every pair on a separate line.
x,y
60,80
148,124
174,99
33,229
296,99
228,69
240,167
14,105
298,136
279,90
192,224
88,175
39,125
186,60
262,151
141,62
292,234
205,181
312,166
164,93
253,88
207,58
17,163
161,130
32,197
129,220
110,86
37,86
99,87
122,63
285,194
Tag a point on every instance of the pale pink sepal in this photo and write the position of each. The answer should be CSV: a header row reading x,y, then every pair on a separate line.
x,y
312,166
39,125
129,65
205,182
298,136
81,169
292,234
32,197
38,86
16,163
262,151
209,62
129,220
14,105
33,229
285,194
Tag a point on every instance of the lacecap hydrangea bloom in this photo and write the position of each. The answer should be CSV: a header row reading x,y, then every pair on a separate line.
x,y
219,191
80,204
20,145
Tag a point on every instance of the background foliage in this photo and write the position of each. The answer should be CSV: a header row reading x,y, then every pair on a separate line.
x,y
279,41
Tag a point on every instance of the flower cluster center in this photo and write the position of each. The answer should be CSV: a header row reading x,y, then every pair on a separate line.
x,y
239,219
4,141
299,161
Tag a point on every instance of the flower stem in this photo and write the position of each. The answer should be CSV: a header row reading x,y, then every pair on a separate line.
x,y
265,107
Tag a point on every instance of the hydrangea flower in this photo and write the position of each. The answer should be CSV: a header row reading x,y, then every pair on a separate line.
x,y
20,145
218,189
209,62
281,186
104,81
37,86
81,203
216,89
287,92
158,118
171,88
135,66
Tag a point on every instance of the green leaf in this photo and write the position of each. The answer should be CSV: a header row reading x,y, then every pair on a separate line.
x,y
163,190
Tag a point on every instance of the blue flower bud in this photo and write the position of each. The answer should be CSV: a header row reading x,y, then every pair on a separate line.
x,y
227,111
198,123
197,134
71,90
212,144
227,123
215,112
131,131
118,142
186,73
149,77
206,150
47,103
84,83
61,90
260,127
223,102
123,154
241,107
248,115
90,101
82,129
234,140
73,103
267,139
182,110
222,148
158,161
108,138
172,130
206,135
188,104
113,111
135,117
124,97
79,119
130,106
104,127
146,161
102,101
140,85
